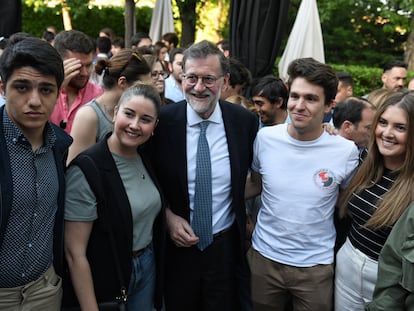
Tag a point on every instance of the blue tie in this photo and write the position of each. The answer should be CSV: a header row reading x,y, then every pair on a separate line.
x,y
202,217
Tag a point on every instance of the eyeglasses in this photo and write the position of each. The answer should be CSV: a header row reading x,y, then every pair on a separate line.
x,y
208,81
156,74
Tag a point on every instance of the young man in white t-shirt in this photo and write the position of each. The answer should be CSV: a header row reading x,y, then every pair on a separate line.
x,y
300,169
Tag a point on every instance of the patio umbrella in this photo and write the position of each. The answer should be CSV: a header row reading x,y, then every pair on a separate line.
x,y
256,31
305,40
162,20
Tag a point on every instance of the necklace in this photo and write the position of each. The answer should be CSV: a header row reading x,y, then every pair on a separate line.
x,y
130,165
140,167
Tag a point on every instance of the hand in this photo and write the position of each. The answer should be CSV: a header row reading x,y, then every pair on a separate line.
x,y
329,128
180,230
72,69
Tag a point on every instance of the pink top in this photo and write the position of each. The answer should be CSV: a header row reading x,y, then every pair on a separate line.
x,y
61,113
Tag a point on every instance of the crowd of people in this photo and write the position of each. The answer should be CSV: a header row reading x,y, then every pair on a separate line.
x,y
161,177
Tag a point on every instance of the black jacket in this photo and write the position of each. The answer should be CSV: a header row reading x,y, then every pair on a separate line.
x,y
119,218
60,149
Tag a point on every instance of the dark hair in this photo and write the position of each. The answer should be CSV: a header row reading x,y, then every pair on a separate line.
x,y
225,44
158,46
125,63
204,49
74,41
271,88
394,63
350,109
316,73
145,90
136,39
108,32
144,50
31,52
18,36
175,52
3,42
103,44
48,36
118,41
171,37
345,78
152,59
239,73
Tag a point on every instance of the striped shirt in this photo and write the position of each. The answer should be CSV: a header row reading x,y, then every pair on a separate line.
x,y
362,206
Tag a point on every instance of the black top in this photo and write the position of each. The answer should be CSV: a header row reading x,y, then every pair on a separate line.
x,y
362,206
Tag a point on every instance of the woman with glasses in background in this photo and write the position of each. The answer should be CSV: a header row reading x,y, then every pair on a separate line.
x,y
94,120
158,75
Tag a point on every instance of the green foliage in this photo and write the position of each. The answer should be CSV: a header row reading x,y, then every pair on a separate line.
x,y
361,32
35,18
365,78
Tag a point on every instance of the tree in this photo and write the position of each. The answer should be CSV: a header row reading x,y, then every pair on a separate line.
x,y
187,9
367,32
409,52
211,16
130,21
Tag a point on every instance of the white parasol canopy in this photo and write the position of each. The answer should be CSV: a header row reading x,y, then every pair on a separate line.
x,y
162,20
305,40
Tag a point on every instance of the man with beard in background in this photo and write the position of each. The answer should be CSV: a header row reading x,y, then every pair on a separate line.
x,y
77,51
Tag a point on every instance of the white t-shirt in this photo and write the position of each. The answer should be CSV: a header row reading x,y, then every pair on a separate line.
x,y
301,181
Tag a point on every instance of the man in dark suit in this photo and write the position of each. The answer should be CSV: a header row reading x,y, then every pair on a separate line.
x,y
204,275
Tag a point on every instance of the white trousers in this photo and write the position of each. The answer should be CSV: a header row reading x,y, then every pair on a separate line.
x,y
355,278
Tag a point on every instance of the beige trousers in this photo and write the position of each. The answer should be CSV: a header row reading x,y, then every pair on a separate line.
x,y
44,294
273,283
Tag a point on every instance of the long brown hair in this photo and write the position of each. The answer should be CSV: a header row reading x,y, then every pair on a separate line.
x,y
401,194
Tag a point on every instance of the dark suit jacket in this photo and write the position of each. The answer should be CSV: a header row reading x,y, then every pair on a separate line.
x,y
170,161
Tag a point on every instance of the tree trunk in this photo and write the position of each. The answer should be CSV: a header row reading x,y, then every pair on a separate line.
x,y
130,21
409,52
67,21
188,20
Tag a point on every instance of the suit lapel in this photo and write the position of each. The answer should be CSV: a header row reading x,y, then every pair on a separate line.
x,y
230,125
177,139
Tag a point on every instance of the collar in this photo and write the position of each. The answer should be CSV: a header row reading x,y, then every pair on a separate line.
x,y
13,134
193,118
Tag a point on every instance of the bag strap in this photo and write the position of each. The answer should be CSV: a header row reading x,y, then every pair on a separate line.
x,y
92,174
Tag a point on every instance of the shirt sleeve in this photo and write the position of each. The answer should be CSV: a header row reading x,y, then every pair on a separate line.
x,y
256,162
80,201
351,167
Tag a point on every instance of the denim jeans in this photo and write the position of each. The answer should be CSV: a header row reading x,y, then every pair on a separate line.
x,y
142,284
